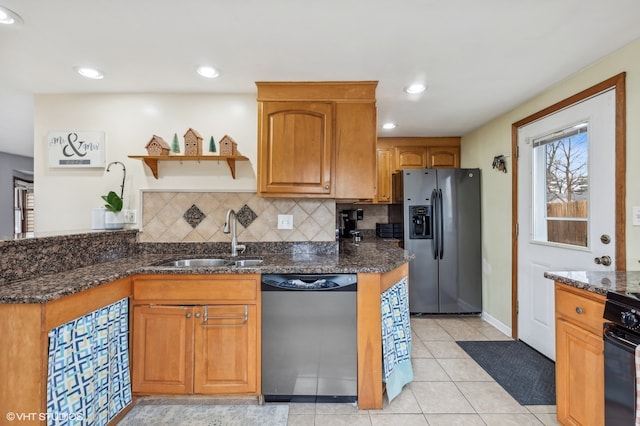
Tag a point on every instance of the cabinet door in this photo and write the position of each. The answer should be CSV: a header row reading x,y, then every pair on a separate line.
x,y
384,169
443,156
295,147
355,151
579,375
226,350
410,157
162,359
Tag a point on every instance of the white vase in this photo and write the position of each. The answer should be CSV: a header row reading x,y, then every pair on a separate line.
x,y
97,218
113,220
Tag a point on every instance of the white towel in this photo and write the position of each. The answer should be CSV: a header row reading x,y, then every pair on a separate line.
x,y
396,338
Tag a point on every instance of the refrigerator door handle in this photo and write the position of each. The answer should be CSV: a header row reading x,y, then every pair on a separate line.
x,y
440,224
434,217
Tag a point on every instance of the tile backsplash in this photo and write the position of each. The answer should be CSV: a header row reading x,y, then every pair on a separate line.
x,y
200,216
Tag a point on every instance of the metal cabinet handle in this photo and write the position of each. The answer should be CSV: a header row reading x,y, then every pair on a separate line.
x,y
188,315
244,317
198,315
327,187
579,310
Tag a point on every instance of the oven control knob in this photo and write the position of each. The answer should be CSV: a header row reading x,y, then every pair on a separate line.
x,y
630,319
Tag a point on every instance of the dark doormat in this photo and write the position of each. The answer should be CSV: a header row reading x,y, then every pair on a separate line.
x,y
528,376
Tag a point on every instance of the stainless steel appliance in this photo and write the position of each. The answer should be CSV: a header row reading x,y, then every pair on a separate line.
x,y
621,337
309,338
441,213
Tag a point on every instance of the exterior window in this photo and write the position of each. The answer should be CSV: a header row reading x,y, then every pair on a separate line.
x,y
561,186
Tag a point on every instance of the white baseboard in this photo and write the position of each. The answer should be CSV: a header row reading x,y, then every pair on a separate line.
x,y
497,324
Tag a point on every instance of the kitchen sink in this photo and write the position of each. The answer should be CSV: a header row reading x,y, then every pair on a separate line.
x,y
247,262
187,263
210,263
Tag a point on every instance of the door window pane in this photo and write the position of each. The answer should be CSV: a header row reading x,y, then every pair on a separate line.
x,y
561,187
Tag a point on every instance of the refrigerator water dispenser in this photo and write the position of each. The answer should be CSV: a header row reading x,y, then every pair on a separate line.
x,y
420,226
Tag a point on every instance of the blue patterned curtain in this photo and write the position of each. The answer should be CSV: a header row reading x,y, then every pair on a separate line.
x,y
396,338
88,372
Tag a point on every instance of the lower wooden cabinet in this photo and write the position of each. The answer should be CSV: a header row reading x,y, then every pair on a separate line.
x,y
225,351
163,349
579,356
206,344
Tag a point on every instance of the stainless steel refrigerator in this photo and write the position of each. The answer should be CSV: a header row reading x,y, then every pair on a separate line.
x,y
441,212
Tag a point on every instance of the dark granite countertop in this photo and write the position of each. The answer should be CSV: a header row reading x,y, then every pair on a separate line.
x,y
375,256
598,282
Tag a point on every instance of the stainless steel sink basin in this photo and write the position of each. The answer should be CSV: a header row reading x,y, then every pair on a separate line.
x,y
247,262
210,263
191,263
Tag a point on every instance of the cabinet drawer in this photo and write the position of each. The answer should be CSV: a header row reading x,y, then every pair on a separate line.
x,y
583,309
186,288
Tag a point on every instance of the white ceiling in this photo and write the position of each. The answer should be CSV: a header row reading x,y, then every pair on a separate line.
x,y
479,58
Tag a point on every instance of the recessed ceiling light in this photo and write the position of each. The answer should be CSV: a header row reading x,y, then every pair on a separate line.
x,y
89,72
415,88
389,126
208,72
9,17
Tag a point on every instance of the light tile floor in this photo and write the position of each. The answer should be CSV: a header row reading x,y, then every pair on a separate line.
x,y
449,388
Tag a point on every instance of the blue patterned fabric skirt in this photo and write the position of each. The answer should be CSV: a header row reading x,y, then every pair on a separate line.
x,y
88,380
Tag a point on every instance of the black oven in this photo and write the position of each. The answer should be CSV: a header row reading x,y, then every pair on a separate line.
x,y
621,337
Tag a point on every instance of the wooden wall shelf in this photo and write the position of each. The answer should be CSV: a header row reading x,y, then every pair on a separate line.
x,y
152,160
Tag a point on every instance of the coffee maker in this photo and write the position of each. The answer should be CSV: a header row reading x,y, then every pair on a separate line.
x,y
348,222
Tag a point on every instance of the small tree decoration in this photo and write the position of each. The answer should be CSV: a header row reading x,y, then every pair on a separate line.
x,y
175,146
212,145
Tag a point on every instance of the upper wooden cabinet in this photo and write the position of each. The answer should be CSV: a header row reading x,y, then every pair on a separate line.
x,y
356,151
317,139
443,156
395,154
385,168
410,157
296,148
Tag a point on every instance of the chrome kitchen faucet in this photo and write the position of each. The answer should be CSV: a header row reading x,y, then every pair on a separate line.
x,y
231,215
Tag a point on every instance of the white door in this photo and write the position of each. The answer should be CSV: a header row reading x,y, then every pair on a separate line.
x,y
566,207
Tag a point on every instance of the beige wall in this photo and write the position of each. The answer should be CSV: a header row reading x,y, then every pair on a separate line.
x,y
129,121
480,146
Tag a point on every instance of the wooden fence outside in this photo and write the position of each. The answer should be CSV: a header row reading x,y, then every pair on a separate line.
x,y
567,231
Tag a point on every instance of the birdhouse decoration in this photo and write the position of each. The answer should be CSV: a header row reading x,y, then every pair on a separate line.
x,y
192,143
157,146
228,146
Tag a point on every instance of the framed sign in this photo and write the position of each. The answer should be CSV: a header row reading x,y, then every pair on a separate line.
x,y
76,149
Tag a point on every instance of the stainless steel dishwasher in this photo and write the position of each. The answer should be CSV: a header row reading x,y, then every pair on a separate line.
x,y
309,338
